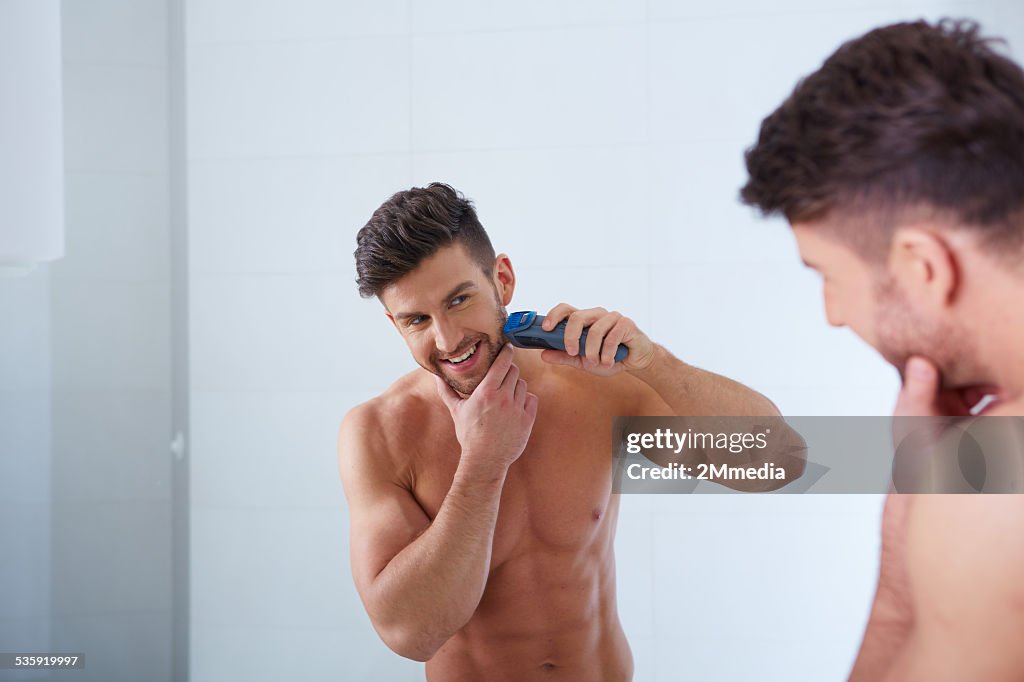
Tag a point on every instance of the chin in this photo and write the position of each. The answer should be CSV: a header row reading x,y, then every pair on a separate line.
x,y
897,360
465,382
897,354
465,386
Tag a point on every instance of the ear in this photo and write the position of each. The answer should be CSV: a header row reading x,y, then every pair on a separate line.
x,y
504,278
925,266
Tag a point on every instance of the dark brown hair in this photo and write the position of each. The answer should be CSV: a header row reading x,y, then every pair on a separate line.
x,y
411,226
907,116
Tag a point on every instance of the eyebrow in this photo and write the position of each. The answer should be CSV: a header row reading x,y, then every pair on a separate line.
x,y
458,288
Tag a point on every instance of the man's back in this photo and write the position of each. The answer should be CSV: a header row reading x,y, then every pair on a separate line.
x,y
949,583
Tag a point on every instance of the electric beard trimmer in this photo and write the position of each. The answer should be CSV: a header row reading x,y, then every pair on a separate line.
x,y
524,330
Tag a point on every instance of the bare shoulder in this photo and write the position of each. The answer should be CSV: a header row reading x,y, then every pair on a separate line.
x,y
384,515
374,435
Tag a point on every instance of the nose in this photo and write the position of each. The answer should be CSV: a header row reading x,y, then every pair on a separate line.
x,y
447,336
832,311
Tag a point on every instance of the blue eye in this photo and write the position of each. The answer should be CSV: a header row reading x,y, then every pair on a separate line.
x,y
419,319
457,300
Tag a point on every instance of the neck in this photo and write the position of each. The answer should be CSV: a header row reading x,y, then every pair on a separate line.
x,y
1003,355
531,367
996,324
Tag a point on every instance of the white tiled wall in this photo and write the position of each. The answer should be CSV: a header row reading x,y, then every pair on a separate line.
x,y
529,88
288,98
603,144
299,122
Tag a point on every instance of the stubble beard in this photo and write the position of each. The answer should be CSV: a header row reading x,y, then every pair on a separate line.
x,y
903,331
491,345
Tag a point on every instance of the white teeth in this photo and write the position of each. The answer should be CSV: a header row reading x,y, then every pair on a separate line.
x,y
463,357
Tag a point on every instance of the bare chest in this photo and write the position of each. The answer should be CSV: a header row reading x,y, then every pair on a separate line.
x,y
557,495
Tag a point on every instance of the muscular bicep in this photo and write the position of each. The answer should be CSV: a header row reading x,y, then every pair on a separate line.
x,y
384,517
965,564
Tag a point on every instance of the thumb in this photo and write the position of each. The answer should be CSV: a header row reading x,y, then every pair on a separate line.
x,y
920,389
448,396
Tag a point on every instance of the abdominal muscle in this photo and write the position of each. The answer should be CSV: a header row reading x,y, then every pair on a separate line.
x,y
546,614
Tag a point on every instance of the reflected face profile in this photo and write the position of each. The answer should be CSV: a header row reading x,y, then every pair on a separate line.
x,y
866,298
451,315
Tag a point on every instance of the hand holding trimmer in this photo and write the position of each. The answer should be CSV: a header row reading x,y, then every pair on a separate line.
x,y
524,330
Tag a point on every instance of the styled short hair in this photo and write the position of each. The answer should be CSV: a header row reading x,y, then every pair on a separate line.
x,y
411,226
907,116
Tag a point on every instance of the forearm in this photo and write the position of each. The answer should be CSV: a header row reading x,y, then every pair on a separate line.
x,y
692,391
430,589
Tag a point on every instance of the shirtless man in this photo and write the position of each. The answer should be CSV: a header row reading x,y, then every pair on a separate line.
x,y
479,487
900,167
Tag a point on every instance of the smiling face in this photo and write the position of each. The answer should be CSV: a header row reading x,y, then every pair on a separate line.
x,y
451,314
897,320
